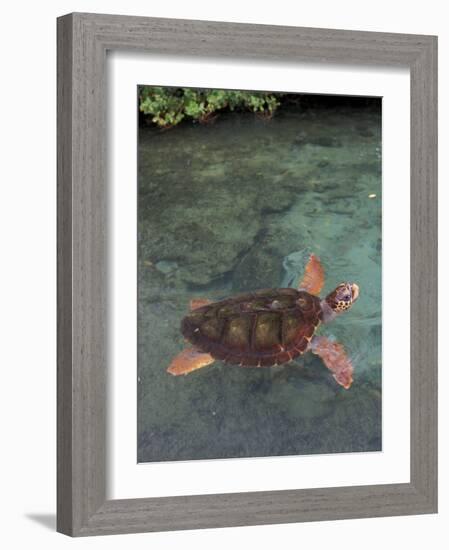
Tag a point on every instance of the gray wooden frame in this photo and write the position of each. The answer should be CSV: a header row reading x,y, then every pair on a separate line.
x,y
83,40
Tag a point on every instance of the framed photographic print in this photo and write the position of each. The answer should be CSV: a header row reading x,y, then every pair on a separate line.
x,y
246,274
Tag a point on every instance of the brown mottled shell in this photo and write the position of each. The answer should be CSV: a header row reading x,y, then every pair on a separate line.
x,y
263,328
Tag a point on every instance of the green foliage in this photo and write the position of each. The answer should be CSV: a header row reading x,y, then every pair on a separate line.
x,y
167,107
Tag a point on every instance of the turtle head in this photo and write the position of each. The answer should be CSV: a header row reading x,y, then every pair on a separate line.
x,y
342,298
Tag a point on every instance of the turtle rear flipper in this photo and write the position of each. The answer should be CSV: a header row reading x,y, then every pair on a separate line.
x,y
189,360
335,359
313,279
196,303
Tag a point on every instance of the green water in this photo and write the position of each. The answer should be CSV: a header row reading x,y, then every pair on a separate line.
x,y
238,205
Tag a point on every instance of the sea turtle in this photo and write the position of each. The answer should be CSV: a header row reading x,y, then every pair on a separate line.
x,y
268,327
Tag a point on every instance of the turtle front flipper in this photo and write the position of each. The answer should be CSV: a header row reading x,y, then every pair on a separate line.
x,y
335,359
313,279
189,360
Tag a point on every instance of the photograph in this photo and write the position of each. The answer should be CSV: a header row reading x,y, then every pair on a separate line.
x,y
220,287
259,250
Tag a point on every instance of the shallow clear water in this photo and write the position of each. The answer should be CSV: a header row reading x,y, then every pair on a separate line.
x,y
239,205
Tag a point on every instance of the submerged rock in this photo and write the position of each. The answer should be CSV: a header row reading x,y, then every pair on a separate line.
x,y
260,268
166,267
293,266
315,137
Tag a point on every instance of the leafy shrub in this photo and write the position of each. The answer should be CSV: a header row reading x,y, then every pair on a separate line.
x,y
167,107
